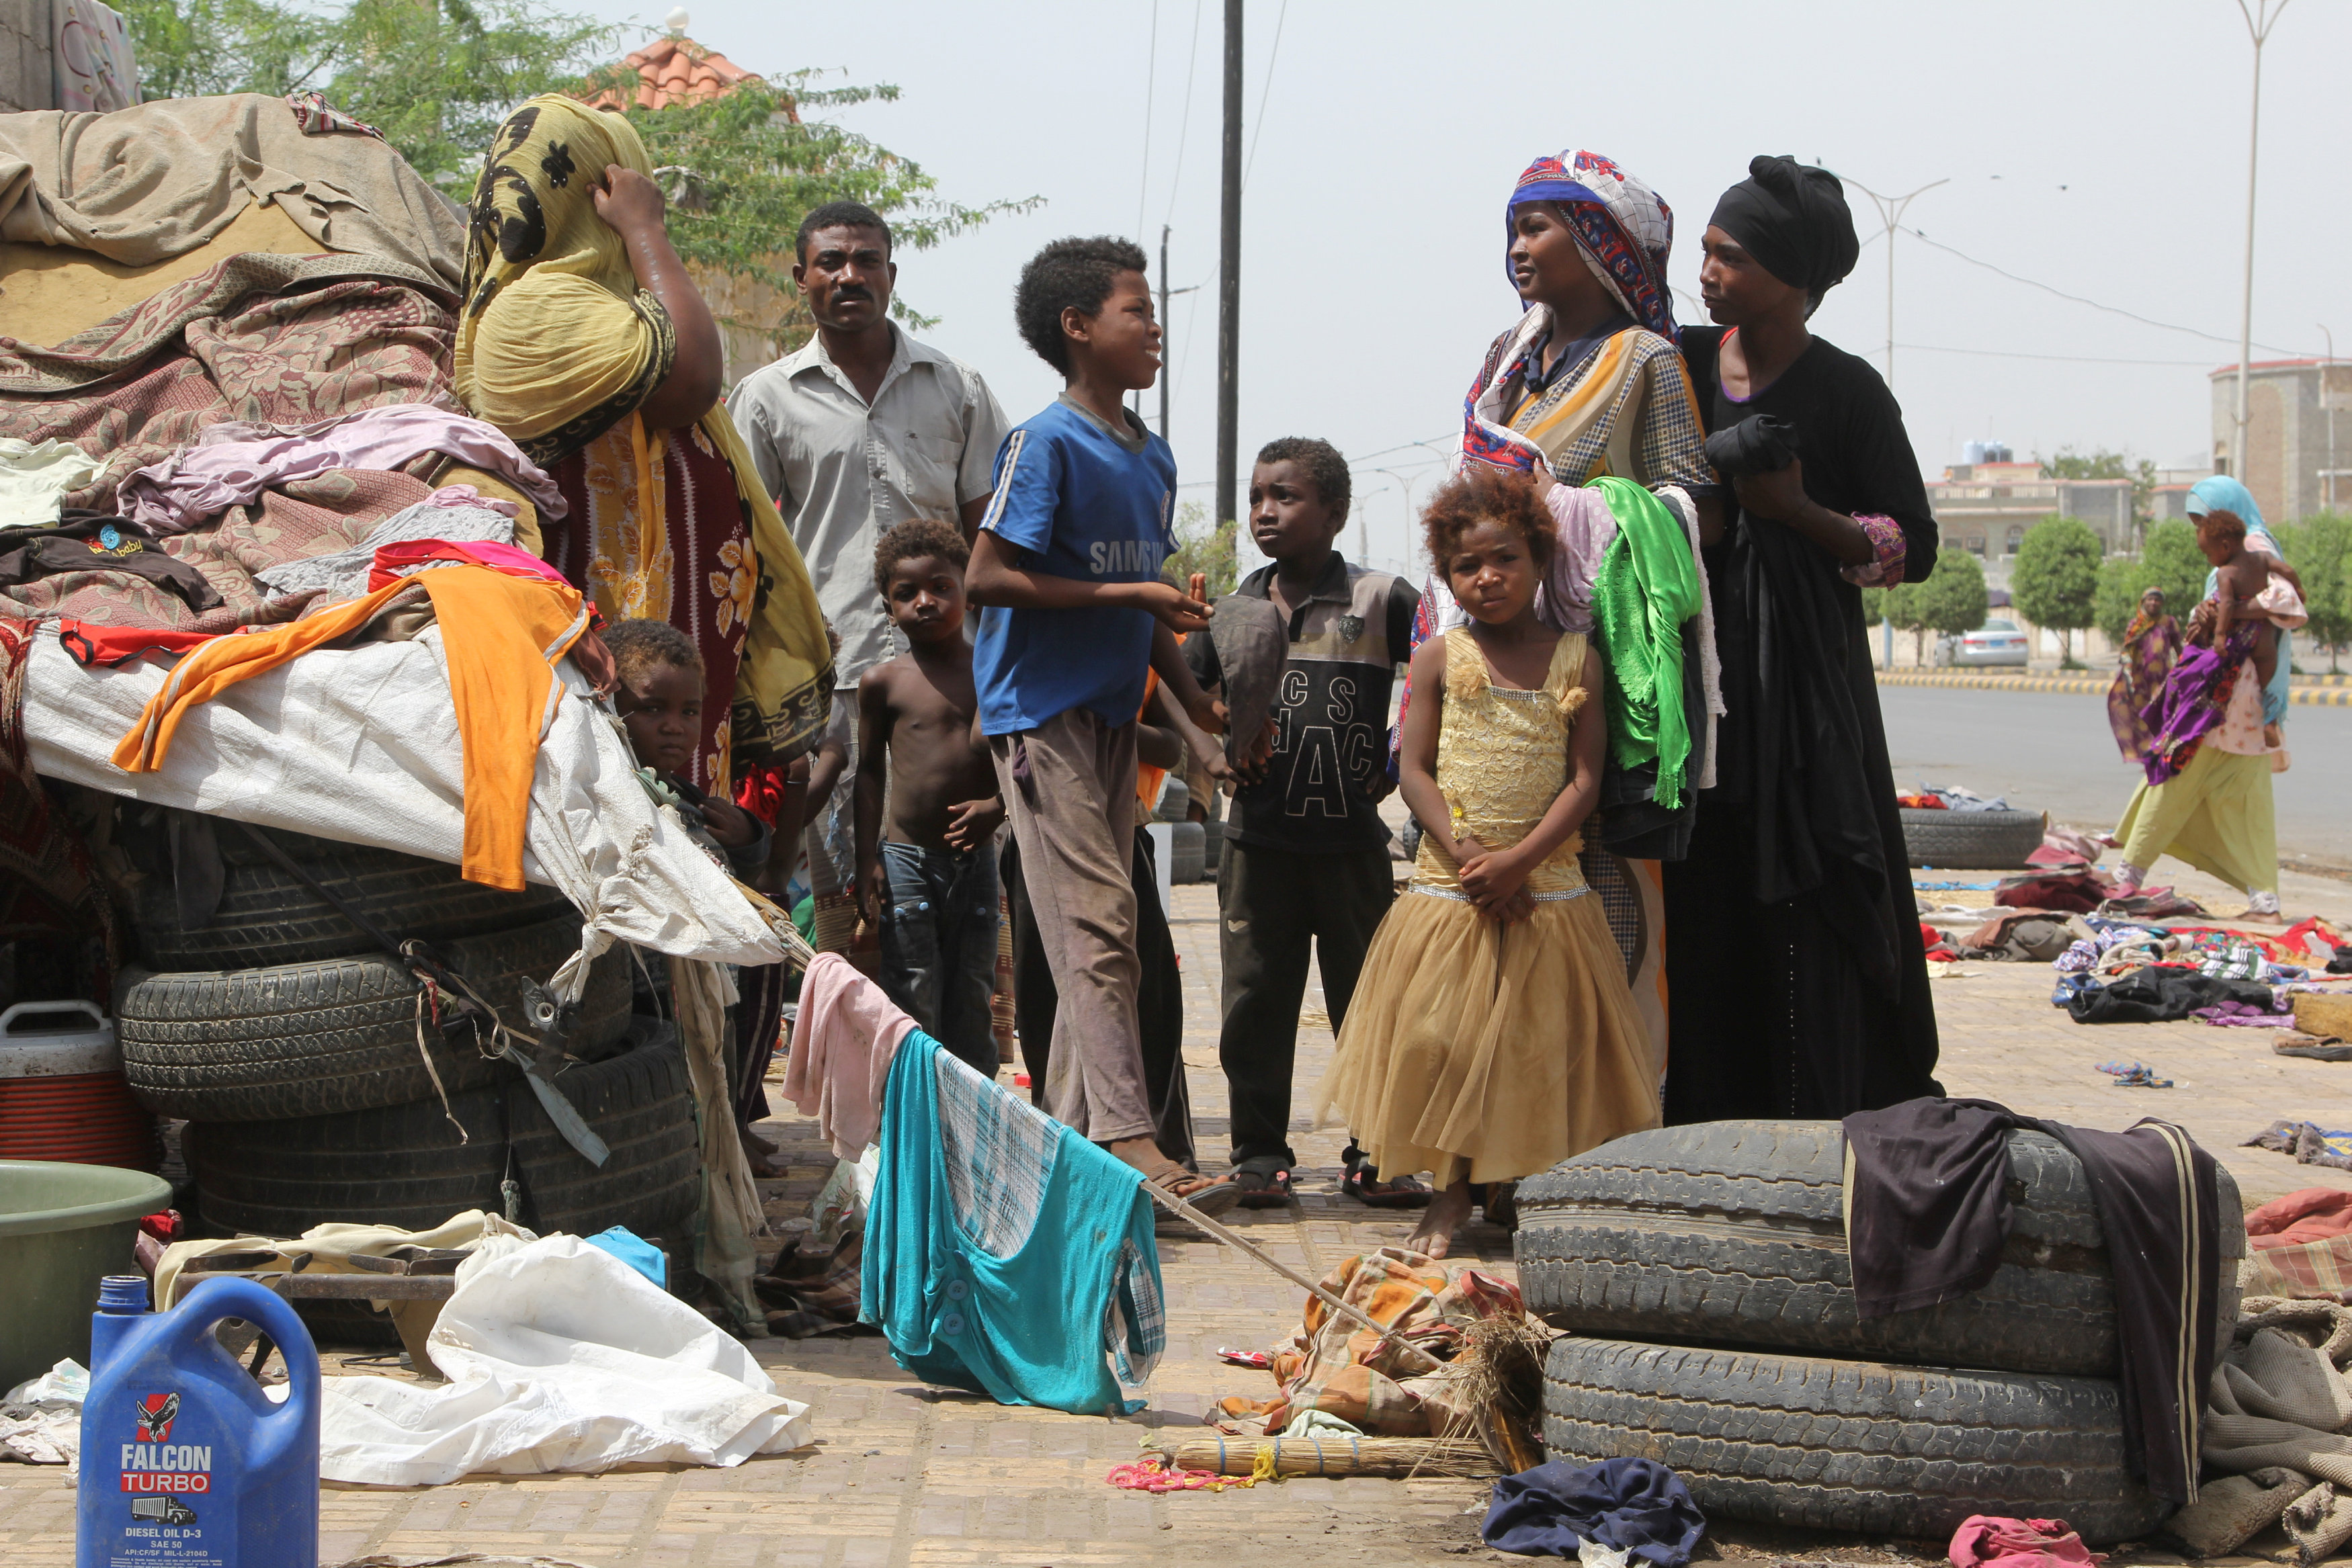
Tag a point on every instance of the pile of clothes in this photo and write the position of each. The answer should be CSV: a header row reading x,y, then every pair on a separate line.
x,y
2120,971
2278,1406
1336,1375
1943,797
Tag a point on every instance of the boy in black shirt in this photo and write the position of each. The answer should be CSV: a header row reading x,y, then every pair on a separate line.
x,y
1307,854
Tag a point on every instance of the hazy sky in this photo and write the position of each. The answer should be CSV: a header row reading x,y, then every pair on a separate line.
x,y
2099,149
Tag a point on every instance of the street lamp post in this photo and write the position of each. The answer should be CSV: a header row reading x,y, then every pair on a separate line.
x,y
2260,19
1890,212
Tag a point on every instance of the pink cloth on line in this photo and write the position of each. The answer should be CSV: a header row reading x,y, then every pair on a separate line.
x,y
233,462
843,1043
1986,1542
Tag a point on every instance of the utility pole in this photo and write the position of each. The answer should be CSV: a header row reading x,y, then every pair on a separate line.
x,y
1229,276
2259,22
1890,212
1166,294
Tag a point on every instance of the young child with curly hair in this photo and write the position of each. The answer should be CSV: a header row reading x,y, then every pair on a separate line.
x,y
1492,1035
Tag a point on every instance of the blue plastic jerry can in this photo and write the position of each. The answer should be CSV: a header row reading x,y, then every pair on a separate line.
x,y
185,1462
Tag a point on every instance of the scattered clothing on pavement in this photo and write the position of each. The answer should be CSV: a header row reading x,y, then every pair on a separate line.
x,y
1638,1507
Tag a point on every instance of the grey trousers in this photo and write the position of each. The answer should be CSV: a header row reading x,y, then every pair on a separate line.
x,y
1069,796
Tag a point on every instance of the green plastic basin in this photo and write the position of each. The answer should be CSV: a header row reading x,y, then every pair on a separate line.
x,y
62,1228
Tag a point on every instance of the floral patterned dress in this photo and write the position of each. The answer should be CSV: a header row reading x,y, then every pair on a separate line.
x,y
691,563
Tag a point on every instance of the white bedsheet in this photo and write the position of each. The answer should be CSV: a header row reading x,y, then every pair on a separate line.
x,y
560,1357
362,745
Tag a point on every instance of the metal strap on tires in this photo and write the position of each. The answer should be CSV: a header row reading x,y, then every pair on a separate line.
x,y
436,979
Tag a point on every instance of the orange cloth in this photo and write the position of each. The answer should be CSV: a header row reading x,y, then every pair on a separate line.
x,y
500,636
1147,777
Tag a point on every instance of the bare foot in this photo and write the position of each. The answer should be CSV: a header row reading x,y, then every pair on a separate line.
x,y
1433,1236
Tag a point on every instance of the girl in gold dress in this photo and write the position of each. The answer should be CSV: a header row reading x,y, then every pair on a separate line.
x,y
1492,1035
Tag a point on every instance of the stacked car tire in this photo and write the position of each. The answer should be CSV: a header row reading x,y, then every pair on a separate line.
x,y
1702,1272
292,1044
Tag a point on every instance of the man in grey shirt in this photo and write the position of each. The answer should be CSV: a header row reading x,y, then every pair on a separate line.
x,y
862,429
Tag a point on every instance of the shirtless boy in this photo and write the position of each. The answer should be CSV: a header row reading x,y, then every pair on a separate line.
x,y
930,882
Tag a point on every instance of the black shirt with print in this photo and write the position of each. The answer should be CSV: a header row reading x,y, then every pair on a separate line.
x,y
1321,793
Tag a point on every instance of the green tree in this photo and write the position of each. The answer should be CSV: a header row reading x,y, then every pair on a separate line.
x,y
2122,579
743,170
2056,579
438,77
435,76
2320,549
1952,600
1208,549
2169,561
1904,608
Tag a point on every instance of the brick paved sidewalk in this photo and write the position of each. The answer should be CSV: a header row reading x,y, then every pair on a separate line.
x,y
904,1475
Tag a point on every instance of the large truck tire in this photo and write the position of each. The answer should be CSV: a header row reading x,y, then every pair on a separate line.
x,y
1971,840
1733,1233
1850,1445
408,1166
339,1034
267,918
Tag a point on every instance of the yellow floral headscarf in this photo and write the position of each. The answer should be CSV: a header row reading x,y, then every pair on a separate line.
x,y
557,343
558,346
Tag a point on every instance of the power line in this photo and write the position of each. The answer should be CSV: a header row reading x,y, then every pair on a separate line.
x,y
1264,93
1150,86
2079,299
2063,358
1184,121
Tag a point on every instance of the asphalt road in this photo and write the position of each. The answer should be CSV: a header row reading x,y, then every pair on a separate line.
x,y
2051,753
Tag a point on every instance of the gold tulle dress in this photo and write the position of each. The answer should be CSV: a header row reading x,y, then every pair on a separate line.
x,y
1482,1052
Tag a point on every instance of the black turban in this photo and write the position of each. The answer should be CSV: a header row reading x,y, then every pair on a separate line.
x,y
1793,219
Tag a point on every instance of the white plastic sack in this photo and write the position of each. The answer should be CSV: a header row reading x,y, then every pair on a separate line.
x,y
40,1419
560,1357
362,745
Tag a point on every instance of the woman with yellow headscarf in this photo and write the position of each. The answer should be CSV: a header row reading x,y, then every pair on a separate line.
x,y
583,339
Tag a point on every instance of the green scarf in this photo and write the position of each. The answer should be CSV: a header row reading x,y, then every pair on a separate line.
x,y
1647,587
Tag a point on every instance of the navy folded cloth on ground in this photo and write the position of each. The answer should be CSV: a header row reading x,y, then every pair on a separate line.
x,y
1927,1216
1636,1506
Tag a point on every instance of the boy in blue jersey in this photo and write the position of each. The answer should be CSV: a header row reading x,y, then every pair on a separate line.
x,y
1066,571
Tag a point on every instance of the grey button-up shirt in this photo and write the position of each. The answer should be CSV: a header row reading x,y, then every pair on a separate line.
x,y
843,473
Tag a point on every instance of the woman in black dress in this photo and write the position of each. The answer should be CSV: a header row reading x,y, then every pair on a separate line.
x,y
1798,983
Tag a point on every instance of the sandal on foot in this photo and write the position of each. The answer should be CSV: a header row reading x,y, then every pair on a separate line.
x,y
1367,1188
1207,1197
1263,1181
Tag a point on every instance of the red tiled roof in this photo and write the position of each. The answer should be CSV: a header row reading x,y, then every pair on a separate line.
x,y
678,70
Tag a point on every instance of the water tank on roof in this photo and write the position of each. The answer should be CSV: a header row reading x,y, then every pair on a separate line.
x,y
1976,452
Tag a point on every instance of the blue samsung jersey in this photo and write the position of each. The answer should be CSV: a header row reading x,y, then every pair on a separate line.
x,y
1081,503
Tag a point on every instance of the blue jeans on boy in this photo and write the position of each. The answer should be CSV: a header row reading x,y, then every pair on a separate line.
x,y
939,945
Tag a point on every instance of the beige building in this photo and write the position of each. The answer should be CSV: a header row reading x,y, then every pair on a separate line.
x,y
1985,508
2298,457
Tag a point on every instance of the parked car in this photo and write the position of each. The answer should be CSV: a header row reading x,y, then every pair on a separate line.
x,y
1995,642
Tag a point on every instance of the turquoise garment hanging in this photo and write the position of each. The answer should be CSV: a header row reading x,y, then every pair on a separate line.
x,y
1004,1253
